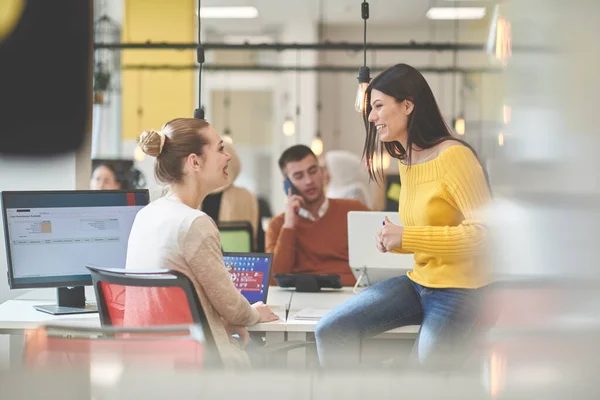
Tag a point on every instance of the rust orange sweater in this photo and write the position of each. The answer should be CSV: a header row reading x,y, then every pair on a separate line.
x,y
319,247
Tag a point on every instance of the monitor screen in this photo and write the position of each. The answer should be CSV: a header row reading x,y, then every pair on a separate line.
x,y
250,273
50,237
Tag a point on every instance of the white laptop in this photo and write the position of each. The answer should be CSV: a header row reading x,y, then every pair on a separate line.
x,y
368,264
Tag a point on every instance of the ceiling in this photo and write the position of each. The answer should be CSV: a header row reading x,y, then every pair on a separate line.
x,y
273,14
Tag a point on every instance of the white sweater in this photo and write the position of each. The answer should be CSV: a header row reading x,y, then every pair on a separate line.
x,y
169,234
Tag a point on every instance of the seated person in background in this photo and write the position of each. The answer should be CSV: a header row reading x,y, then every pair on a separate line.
x,y
311,237
265,214
326,176
233,203
172,233
348,178
104,177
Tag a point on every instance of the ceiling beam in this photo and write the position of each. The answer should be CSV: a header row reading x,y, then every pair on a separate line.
x,y
340,46
284,68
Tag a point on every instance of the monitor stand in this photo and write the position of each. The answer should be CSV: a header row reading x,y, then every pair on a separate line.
x,y
71,300
363,274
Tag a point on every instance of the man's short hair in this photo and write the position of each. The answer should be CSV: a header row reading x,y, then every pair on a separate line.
x,y
295,153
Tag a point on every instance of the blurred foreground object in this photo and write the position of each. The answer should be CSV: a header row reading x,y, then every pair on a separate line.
x,y
45,75
546,177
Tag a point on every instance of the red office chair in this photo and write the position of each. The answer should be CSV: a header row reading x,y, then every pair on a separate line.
x,y
150,298
164,297
56,346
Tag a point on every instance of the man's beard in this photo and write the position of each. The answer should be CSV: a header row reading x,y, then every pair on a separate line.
x,y
316,200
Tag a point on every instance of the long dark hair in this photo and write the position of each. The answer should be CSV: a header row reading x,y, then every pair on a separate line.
x,y
426,126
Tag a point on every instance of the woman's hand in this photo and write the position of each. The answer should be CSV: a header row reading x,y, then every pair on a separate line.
x,y
389,236
242,332
266,315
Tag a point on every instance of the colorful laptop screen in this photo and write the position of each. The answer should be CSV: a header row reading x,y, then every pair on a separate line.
x,y
250,273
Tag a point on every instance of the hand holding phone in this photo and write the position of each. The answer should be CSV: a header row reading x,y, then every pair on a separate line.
x,y
294,203
288,186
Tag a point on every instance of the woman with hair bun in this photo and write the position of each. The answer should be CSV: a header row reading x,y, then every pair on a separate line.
x,y
172,233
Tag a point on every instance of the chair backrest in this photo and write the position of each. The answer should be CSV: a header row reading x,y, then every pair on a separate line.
x,y
76,347
236,236
138,298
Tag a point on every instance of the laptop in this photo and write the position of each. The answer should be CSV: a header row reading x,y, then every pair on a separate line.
x,y
368,264
250,273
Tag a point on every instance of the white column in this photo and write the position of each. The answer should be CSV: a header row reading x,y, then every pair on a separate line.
x,y
303,31
107,137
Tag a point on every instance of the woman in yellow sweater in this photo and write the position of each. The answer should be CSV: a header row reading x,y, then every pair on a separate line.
x,y
443,187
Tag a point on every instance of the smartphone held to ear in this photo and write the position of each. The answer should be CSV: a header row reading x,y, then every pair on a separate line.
x,y
287,185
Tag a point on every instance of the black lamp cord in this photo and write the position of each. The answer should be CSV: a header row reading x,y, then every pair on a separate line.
x,y
365,16
298,94
199,112
298,85
364,72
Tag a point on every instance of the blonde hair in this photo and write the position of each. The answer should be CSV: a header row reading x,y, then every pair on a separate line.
x,y
176,140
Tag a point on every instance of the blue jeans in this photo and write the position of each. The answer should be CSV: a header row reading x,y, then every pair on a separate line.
x,y
448,319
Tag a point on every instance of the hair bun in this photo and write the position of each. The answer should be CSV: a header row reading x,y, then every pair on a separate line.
x,y
152,142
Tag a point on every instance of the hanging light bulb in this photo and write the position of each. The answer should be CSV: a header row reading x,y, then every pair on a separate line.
x,y
459,126
382,161
226,112
387,159
501,139
499,42
227,136
364,73
289,127
317,145
139,154
506,114
361,96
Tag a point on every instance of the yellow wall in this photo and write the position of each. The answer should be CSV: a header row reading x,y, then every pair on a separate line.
x,y
151,98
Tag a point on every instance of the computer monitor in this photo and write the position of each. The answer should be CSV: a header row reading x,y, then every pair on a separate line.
x,y
50,237
250,273
368,264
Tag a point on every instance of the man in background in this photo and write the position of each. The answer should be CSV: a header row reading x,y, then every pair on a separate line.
x,y
311,236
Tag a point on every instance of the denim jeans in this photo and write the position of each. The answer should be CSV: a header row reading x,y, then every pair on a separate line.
x,y
448,319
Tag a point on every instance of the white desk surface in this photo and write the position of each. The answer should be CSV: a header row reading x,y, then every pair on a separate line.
x,y
19,314
327,299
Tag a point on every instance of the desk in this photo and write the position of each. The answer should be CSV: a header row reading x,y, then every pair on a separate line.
x,y
18,314
326,299
329,299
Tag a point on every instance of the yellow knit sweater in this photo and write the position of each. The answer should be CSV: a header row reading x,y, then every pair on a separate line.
x,y
439,203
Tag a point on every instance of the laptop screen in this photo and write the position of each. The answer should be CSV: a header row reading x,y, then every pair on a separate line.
x,y
250,273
